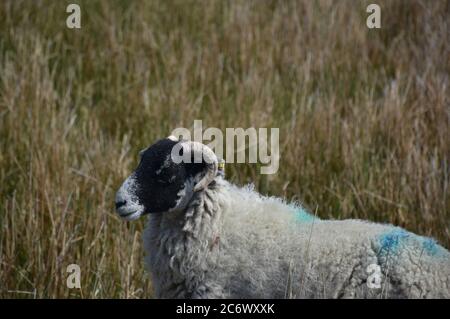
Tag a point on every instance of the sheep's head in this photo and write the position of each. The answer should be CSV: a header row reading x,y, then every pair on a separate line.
x,y
169,173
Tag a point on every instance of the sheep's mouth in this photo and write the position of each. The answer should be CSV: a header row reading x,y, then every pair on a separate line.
x,y
127,214
130,212
131,215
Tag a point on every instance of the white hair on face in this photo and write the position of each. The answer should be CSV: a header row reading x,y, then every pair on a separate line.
x,y
165,164
127,194
184,195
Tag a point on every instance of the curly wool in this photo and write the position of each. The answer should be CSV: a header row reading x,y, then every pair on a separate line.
x,y
232,242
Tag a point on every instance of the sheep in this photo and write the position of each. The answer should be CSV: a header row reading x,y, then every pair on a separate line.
x,y
208,238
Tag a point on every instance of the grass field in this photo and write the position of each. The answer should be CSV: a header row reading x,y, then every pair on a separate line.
x,y
364,119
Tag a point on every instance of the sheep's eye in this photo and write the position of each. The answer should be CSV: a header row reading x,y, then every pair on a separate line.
x,y
162,175
166,181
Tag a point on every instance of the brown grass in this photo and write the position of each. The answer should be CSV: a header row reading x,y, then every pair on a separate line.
x,y
363,114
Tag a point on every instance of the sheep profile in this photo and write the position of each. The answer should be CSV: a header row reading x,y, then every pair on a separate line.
x,y
207,238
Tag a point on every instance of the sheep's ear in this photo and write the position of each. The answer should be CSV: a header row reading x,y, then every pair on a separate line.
x,y
202,173
205,171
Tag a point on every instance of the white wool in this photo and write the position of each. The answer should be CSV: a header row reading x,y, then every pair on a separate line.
x,y
232,242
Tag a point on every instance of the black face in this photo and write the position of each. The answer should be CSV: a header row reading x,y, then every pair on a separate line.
x,y
158,184
158,179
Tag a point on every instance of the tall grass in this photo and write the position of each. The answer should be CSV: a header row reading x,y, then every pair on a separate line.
x,y
364,119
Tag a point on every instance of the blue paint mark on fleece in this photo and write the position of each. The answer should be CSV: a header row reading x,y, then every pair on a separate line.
x,y
301,215
392,242
432,248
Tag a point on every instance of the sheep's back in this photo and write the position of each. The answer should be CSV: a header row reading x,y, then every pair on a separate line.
x,y
274,250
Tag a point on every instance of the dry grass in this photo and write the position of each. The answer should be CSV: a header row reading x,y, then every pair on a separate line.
x,y
363,114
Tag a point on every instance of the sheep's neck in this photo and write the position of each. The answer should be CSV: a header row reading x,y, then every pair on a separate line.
x,y
185,244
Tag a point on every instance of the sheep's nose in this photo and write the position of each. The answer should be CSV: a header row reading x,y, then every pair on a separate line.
x,y
120,204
